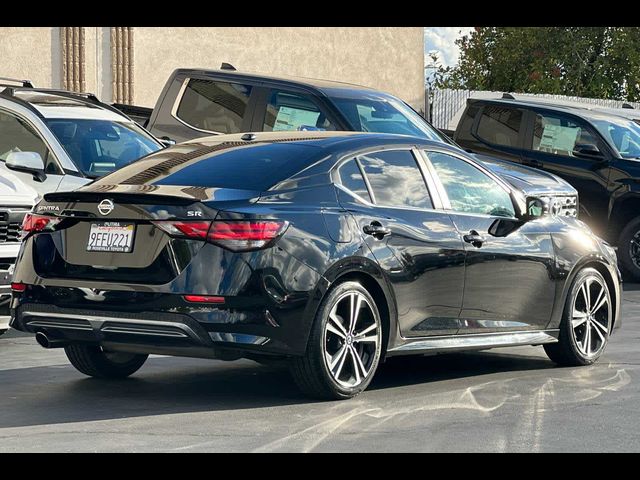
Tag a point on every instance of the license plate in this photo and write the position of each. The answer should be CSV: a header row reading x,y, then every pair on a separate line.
x,y
111,237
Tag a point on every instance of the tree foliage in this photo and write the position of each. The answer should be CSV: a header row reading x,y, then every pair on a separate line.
x,y
597,62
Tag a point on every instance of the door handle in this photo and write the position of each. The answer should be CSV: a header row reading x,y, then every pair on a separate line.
x,y
474,238
377,230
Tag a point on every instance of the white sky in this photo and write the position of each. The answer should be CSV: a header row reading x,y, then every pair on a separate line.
x,y
441,39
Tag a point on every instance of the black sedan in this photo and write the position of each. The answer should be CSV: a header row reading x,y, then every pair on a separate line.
x,y
331,250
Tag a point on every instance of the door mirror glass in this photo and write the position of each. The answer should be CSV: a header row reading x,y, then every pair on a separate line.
x,y
587,150
30,162
536,208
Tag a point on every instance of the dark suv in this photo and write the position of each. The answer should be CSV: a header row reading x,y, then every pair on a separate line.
x,y
598,153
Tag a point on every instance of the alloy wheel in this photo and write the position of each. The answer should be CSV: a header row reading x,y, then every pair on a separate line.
x,y
591,316
351,339
634,249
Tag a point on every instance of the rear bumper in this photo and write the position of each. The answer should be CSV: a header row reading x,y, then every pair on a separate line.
x,y
5,295
200,330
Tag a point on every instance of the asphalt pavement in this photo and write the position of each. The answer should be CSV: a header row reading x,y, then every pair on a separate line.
x,y
511,399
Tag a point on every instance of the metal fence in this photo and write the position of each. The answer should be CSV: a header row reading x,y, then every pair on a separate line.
x,y
448,105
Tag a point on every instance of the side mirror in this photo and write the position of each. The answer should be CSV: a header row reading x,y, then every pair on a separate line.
x,y
167,142
587,150
536,208
28,162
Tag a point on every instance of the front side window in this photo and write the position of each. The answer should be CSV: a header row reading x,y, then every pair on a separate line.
x,y
385,115
98,147
500,125
350,177
469,189
18,136
623,134
560,135
293,111
213,106
395,179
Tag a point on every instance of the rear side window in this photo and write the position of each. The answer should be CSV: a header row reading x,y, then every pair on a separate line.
x,y
500,125
292,111
463,132
395,179
350,177
217,107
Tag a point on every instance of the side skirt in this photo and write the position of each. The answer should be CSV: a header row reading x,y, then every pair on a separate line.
x,y
475,341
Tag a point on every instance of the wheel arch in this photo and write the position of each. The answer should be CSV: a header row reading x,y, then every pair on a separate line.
x,y
625,209
369,274
604,270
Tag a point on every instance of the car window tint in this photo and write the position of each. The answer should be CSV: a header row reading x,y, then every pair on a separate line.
x,y
500,125
351,178
395,179
214,106
559,135
466,124
292,111
18,136
469,189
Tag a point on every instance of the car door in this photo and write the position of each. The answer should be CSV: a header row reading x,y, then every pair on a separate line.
x,y
18,135
279,109
205,106
552,144
508,283
416,244
497,130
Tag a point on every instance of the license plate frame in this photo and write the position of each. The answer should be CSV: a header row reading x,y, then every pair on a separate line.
x,y
110,236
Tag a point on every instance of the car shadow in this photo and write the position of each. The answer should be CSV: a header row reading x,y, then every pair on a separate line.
x,y
166,385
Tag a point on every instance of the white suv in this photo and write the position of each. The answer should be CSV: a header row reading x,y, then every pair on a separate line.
x,y
57,140
16,199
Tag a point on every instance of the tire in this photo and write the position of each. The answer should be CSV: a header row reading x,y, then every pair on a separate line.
x,y
629,249
585,310
354,349
95,362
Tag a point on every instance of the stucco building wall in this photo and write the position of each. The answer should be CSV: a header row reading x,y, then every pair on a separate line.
x,y
388,58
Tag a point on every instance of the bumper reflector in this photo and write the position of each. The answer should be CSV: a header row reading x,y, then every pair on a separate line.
x,y
203,299
18,287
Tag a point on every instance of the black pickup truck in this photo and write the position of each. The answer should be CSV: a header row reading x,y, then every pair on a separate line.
x,y
197,103
597,152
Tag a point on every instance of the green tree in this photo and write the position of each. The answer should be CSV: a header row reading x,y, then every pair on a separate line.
x,y
598,62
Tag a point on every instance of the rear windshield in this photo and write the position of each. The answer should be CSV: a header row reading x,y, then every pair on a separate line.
x,y
255,167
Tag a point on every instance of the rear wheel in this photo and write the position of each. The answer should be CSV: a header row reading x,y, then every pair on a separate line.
x,y
629,248
586,323
344,346
92,360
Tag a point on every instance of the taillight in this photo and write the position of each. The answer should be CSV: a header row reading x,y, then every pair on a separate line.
x,y
38,223
243,235
195,230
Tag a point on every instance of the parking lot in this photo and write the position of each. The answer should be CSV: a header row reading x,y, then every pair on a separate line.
x,y
501,400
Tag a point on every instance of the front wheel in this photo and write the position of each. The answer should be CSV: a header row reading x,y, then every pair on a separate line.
x,y
629,248
93,361
586,322
344,346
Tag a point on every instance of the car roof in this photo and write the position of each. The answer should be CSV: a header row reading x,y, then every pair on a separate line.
x,y
321,139
62,104
579,110
315,83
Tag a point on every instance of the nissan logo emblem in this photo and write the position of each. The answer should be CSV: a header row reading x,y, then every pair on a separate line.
x,y
105,207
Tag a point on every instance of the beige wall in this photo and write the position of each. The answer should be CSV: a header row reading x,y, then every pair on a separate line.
x,y
31,53
391,59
